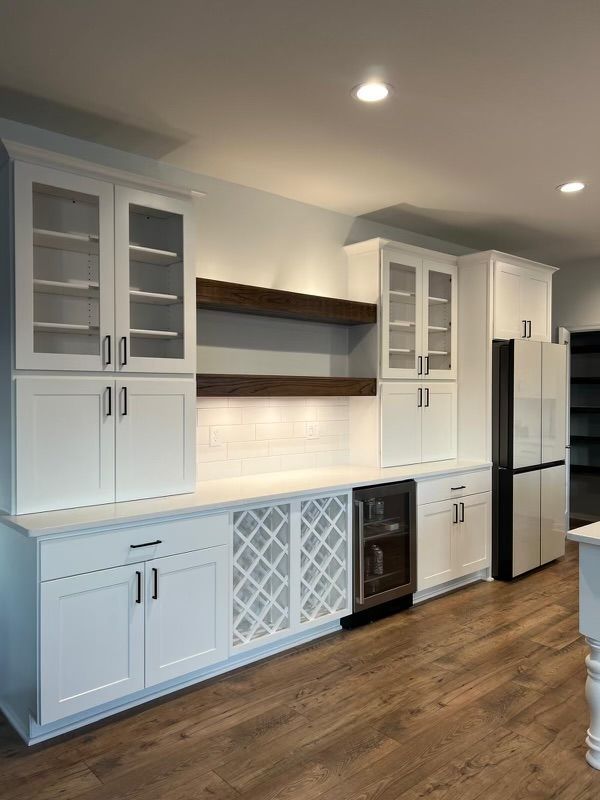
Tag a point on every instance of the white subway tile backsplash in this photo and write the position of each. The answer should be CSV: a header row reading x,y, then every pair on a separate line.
x,y
255,435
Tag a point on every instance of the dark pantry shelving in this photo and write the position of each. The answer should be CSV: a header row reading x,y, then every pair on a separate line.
x,y
213,295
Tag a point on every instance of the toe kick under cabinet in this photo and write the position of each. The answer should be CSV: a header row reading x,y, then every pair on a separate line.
x,y
106,619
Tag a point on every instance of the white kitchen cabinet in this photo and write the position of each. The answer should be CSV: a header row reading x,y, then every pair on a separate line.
x,y
186,613
155,427
418,326
522,302
91,640
65,442
418,422
64,270
453,539
154,283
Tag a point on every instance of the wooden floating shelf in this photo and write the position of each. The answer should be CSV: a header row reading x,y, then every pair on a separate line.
x,y
238,297
71,288
150,255
283,386
60,240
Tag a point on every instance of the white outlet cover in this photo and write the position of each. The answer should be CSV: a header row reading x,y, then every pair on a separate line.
x,y
312,430
215,437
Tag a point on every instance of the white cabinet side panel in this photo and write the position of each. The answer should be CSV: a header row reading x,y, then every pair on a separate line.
x,y
6,345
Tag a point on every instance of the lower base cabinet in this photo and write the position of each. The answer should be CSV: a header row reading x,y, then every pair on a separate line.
x,y
453,539
107,634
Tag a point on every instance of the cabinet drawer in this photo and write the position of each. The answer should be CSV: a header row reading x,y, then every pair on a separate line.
x,y
92,551
436,489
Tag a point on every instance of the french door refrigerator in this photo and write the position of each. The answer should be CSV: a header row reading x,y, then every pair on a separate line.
x,y
529,449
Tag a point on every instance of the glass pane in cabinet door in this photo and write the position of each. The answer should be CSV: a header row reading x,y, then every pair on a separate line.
x,y
402,317
386,543
66,275
439,334
155,283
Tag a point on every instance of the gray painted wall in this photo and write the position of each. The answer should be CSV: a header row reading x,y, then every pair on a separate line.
x,y
576,295
247,235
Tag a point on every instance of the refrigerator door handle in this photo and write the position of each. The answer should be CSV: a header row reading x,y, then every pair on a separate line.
x,y
360,508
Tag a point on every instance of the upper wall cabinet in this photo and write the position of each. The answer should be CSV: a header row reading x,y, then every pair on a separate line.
x,y
154,284
522,302
64,270
418,328
104,276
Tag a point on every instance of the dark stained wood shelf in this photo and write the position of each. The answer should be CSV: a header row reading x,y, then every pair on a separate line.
x,y
283,386
238,297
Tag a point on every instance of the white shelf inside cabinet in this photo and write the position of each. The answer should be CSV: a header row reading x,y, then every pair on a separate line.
x,y
399,293
153,298
150,255
400,350
399,324
75,288
437,328
64,327
148,334
438,299
59,240
438,352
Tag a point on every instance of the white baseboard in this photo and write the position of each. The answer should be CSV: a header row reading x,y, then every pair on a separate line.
x,y
450,586
41,733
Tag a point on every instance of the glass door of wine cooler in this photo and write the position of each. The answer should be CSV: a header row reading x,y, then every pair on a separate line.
x,y
385,543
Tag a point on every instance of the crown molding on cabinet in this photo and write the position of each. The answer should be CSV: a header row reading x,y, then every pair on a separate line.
x,y
373,245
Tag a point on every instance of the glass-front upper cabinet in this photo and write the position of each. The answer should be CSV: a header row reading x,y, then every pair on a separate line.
x,y
439,322
64,270
154,283
402,314
418,325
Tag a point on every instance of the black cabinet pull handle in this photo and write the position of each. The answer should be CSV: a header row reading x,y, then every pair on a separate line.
x,y
108,351
419,398
139,586
426,397
155,580
524,329
529,337
109,409
125,403
456,488
123,351
420,367
146,544
455,513
462,512
426,365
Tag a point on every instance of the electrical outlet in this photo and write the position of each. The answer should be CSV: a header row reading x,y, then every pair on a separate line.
x,y
215,437
312,430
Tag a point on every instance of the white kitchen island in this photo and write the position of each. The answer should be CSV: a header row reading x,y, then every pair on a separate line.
x,y
589,624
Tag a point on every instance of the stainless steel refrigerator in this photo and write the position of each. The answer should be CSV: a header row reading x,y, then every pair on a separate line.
x,y
529,453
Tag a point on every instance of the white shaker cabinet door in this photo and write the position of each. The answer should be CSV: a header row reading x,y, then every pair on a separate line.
x,y
91,640
186,613
526,521
155,438
535,303
439,422
474,533
508,323
64,443
553,517
401,406
436,542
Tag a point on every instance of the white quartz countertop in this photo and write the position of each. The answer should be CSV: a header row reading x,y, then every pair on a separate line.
x,y
587,534
220,494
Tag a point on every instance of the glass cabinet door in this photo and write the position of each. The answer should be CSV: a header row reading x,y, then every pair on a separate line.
x,y
64,270
154,280
401,316
439,322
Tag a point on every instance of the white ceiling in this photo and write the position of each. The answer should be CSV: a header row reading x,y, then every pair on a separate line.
x,y
495,103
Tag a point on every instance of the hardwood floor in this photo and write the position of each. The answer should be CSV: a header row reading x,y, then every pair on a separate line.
x,y
476,695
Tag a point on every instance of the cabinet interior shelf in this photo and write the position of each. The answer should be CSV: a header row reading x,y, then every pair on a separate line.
x,y
591,349
438,352
585,469
59,240
140,333
399,293
154,298
401,324
438,300
400,350
237,297
77,288
583,381
150,255
373,578
64,327
437,328
283,386
585,409
581,438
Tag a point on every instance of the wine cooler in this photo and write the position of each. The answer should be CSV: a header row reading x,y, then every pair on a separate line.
x,y
385,557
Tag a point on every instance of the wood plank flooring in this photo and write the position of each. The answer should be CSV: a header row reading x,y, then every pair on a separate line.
x,y
479,694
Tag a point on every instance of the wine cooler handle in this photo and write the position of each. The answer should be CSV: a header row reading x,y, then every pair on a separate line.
x,y
360,509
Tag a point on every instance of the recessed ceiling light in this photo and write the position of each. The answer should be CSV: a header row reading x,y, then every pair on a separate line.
x,y
571,186
371,92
